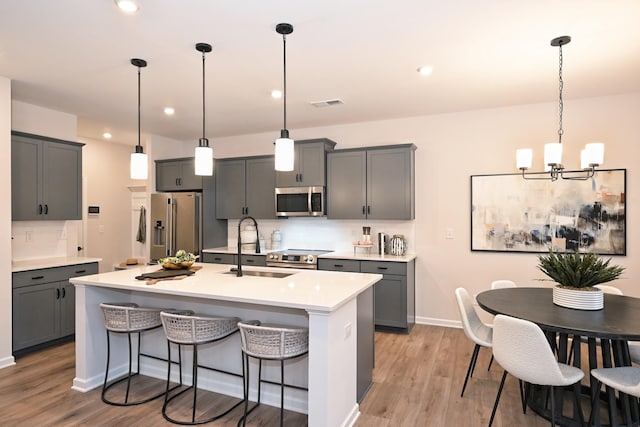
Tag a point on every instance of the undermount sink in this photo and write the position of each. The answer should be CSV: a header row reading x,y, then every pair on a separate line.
x,y
260,273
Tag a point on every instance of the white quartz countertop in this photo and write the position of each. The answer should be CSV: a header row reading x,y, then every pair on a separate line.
x,y
312,290
362,254
38,263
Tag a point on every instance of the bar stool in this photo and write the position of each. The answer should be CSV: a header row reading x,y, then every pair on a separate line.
x,y
270,342
128,318
194,330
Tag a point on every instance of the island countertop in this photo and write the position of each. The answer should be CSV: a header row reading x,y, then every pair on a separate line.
x,y
303,289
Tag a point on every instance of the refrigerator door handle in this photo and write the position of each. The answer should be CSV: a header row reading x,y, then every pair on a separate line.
x,y
170,227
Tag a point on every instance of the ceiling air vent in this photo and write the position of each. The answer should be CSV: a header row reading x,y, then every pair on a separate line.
x,y
327,103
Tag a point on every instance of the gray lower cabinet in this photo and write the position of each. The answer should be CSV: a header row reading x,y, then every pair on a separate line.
x,y
44,304
177,175
394,295
245,186
46,178
371,183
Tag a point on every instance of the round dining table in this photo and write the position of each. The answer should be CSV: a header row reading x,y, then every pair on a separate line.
x,y
611,327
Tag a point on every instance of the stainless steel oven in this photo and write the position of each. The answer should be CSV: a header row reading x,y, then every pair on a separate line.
x,y
295,258
300,201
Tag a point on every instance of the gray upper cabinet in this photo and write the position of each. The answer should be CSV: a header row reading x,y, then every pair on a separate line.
x,y
46,178
245,186
371,183
309,166
177,175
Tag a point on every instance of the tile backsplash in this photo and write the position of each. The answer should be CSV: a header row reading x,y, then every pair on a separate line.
x,y
43,239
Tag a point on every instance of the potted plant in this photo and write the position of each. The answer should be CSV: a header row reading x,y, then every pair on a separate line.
x,y
576,275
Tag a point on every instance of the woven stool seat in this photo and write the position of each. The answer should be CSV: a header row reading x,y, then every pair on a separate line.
x,y
194,329
273,341
269,342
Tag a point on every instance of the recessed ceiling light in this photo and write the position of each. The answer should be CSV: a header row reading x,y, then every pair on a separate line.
x,y
276,94
425,70
128,6
169,111
106,135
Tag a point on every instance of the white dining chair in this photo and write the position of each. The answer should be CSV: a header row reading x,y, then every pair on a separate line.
x,y
625,379
474,329
522,349
502,284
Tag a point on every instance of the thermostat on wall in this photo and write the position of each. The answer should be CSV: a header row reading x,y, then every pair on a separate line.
x,y
94,210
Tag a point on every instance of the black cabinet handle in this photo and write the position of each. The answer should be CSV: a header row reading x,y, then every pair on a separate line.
x,y
383,268
217,259
37,278
58,293
80,271
338,265
363,210
64,292
46,209
39,209
368,210
301,180
249,261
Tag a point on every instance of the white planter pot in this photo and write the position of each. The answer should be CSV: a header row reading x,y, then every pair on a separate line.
x,y
578,299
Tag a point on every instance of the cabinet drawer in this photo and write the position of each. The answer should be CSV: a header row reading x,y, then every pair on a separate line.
x,y
349,265
80,270
259,260
384,267
218,258
37,277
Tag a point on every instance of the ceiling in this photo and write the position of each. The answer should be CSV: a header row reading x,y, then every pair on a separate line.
x,y
73,56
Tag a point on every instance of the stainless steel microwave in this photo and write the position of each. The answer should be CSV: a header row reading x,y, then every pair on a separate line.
x,y
300,201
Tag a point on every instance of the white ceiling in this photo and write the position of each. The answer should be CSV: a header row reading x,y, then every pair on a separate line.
x,y
73,56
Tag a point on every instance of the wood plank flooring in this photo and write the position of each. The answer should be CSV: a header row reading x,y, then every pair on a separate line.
x,y
417,382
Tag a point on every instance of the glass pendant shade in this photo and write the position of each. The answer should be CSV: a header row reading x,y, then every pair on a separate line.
x,y
594,153
139,165
284,154
524,158
204,161
552,154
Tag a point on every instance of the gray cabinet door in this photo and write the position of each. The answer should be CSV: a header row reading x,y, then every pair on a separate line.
x,y
390,184
189,181
346,184
67,309
36,314
167,176
260,187
230,188
62,181
26,178
46,178
219,258
390,295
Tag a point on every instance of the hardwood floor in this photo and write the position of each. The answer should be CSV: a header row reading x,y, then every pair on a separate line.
x,y
417,382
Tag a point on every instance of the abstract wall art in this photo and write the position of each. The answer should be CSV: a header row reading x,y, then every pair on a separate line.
x,y
511,214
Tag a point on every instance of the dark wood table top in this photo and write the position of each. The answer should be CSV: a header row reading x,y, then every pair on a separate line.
x,y
618,320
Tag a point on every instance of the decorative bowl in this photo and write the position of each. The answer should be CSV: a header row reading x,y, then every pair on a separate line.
x,y
179,266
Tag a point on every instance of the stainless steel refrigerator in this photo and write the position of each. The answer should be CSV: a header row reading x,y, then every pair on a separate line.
x,y
176,223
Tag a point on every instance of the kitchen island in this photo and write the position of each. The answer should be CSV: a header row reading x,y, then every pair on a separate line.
x,y
323,301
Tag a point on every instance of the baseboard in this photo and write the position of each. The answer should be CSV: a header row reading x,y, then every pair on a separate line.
x,y
7,361
438,322
354,414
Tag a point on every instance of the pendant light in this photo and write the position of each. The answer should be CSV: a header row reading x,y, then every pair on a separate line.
x,y
591,156
204,153
284,144
139,164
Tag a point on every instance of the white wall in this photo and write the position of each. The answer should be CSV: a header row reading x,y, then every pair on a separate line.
x,y
451,147
6,358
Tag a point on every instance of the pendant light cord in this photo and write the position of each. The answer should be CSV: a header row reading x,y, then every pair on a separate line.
x,y
284,63
139,107
560,103
203,107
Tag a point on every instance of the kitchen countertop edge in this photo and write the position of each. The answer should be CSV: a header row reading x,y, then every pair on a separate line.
x,y
331,255
40,263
